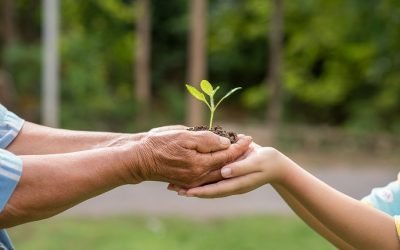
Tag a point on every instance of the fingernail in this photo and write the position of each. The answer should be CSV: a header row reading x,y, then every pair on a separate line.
x,y
189,195
224,140
181,192
226,172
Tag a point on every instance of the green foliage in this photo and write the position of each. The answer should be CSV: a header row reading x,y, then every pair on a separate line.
x,y
97,92
255,96
341,60
258,232
344,57
207,88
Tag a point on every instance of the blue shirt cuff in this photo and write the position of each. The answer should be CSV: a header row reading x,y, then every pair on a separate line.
x,y
10,125
10,173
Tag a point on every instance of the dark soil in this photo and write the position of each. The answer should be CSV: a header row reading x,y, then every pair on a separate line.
x,y
232,136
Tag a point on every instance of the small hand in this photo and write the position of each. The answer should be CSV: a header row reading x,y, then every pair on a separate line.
x,y
257,167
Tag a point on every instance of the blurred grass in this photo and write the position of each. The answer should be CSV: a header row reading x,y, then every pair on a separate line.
x,y
119,233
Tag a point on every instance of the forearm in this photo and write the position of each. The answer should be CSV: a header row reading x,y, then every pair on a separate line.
x,y
361,226
308,218
35,139
51,184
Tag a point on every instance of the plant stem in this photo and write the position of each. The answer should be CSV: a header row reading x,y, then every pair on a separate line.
x,y
212,109
211,120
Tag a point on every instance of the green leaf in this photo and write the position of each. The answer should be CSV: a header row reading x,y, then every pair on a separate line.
x,y
228,94
207,87
197,94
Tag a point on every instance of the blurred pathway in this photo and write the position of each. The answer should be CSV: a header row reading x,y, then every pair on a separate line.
x,y
153,199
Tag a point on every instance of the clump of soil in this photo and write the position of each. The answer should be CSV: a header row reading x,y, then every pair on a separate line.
x,y
232,136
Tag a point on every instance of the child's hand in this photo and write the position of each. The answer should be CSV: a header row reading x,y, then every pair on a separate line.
x,y
259,166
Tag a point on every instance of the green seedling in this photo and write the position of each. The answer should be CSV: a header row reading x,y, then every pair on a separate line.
x,y
210,91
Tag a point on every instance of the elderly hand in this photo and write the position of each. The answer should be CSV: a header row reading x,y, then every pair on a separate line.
x,y
184,158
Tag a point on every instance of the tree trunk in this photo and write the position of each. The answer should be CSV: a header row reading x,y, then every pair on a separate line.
x,y
9,29
143,50
274,111
50,105
7,92
197,59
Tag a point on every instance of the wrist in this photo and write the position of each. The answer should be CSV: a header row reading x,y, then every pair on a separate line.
x,y
286,170
134,159
276,165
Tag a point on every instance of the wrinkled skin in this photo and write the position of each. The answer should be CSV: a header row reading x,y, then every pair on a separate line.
x,y
184,158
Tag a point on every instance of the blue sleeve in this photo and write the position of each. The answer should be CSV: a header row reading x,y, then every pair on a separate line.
x,y
10,165
10,125
386,199
10,173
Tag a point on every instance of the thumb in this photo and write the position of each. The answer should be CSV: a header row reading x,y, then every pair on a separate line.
x,y
207,141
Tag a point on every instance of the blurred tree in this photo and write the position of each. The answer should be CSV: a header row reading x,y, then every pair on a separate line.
x,y
97,49
7,92
341,60
274,76
197,58
50,101
238,54
9,28
142,62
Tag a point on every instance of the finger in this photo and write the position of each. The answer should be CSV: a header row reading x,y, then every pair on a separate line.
x,y
212,177
247,153
179,190
239,168
173,187
238,185
206,142
182,192
236,150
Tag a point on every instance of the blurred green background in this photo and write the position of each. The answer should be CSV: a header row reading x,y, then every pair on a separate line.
x,y
339,84
341,61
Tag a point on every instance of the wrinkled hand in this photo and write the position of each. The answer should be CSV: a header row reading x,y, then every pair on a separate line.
x,y
259,166
185,158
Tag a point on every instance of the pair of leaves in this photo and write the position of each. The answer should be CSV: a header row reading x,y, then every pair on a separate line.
x,y
207,88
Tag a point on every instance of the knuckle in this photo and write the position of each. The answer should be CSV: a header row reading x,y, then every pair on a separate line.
x,y
206,135
270,151
181,136
229,157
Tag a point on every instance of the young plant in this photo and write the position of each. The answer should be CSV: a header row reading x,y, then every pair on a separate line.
x,y
210,91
